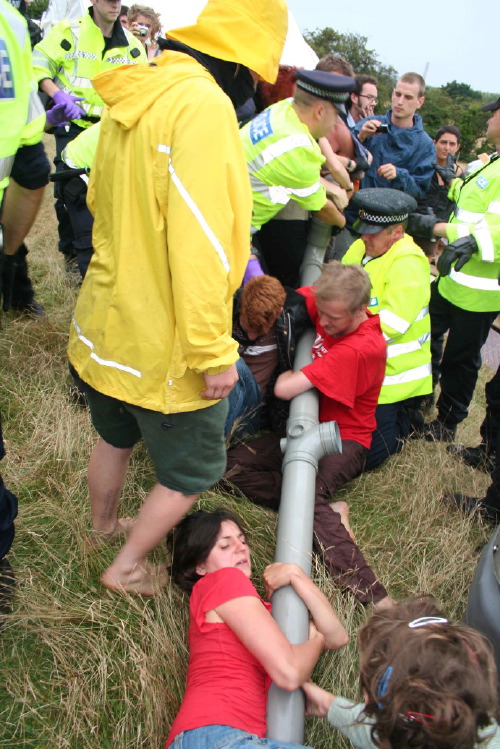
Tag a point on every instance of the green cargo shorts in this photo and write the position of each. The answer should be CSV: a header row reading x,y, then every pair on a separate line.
x,y
188,449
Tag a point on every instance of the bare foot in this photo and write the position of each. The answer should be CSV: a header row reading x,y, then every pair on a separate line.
x,y
385,604
143,580
97,538
343,510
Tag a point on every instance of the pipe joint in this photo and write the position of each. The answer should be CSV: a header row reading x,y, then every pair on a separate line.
x,y
312,445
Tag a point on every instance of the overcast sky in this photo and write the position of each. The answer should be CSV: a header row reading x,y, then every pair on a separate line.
x,y
458,39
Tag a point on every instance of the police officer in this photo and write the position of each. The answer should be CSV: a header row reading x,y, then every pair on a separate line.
x,y
65,61
284,161
466,297
399,272
21,121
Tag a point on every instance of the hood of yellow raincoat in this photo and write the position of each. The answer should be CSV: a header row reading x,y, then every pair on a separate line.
x,y
131,90
249,32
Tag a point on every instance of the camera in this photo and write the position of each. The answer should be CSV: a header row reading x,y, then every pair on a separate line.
x,y
382,128
143,30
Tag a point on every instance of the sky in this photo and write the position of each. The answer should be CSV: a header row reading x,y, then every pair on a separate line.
x,y
457,38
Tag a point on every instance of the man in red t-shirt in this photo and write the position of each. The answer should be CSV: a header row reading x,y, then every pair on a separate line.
x,y
348,369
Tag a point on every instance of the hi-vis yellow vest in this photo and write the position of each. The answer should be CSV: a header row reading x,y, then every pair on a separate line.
x,y
22,118
400,295
72,54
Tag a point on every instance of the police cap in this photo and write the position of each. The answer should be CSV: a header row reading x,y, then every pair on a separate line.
x,y
329,86
492,106
380,207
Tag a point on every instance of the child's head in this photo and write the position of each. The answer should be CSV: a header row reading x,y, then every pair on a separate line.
x,y
216,537
427,685
261,302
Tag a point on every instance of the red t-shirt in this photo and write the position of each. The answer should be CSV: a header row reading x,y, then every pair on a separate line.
x,y
348,372
226,685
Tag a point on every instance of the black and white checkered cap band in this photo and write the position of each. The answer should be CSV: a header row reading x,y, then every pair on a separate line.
x,y
377,218
340,97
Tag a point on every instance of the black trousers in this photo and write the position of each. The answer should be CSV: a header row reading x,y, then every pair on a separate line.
x,y
395,421
74,195
63,136
461,361
283,244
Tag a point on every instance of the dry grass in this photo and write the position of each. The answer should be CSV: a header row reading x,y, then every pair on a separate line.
x,y
82,669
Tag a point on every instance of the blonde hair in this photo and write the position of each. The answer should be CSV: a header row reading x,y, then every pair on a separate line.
x,y
347,283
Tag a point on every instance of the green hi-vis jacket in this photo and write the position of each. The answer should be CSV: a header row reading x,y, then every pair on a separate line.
x,y
283,162
73,53
22,116
400,296
476,286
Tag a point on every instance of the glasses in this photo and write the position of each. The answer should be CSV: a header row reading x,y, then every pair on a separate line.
x,y
370,97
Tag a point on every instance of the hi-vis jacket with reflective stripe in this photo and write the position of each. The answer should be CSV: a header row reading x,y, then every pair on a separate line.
x,y
22,118
283,161
172,205
400,295
476,286
73,52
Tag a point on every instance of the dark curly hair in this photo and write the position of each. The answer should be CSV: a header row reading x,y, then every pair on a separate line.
x,y
426,687
191,542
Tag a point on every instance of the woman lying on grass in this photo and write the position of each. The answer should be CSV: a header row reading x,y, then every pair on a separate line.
x,y
426,683
236,647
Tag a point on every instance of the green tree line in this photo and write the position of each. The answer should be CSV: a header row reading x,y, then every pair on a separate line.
x,y
453,104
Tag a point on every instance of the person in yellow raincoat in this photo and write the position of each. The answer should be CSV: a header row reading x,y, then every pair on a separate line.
x,y
151,332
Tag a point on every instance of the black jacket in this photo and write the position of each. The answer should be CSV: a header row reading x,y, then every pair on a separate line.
x,y
290,325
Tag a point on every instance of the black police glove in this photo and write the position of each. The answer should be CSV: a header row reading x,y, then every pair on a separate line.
x,y
447,172
422,224
362,165
461,250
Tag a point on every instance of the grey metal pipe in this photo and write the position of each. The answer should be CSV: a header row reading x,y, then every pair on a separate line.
x,y
307,441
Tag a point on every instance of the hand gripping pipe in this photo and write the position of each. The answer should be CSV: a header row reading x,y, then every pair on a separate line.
x,y
306,442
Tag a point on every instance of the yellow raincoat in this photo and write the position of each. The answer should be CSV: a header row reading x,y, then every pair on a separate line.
x,y
172,203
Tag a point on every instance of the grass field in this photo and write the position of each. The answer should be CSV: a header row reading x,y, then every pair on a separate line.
x,y
84,669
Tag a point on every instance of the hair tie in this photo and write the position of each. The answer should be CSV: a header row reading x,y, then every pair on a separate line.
x,y
425,621
382,685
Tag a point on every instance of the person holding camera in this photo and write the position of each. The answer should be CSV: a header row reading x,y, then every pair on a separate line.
x,y
403,153
144,23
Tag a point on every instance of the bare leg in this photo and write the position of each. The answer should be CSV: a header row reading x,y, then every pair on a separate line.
x,y
162,509
343,510
106,476
19,210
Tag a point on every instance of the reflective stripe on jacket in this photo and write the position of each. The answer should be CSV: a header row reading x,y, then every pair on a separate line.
x,y
155,310
72,54
283,162
400,295
476,286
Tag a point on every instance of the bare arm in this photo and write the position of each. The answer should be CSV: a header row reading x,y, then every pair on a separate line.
x,y
324,617
290,384
335,193
318,701
334,165
440,229
48,87
288,665
330,214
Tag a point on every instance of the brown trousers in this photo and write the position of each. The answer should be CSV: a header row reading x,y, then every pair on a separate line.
x,y
255,469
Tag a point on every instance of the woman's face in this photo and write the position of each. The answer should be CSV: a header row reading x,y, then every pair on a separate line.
x,y
229,550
